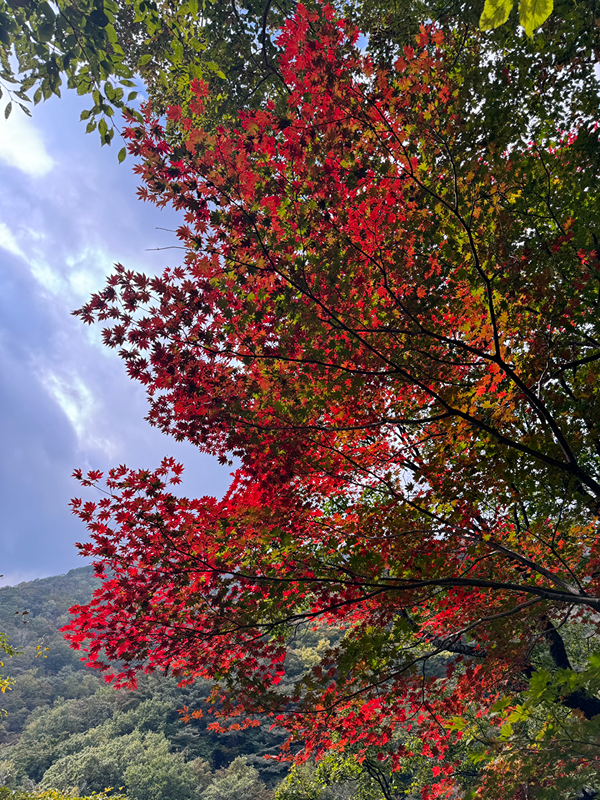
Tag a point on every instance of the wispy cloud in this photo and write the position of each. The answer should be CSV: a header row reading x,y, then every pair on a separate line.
x,y
8,241
80,406
22,146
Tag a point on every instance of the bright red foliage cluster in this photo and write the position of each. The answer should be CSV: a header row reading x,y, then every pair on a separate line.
x,y
393,327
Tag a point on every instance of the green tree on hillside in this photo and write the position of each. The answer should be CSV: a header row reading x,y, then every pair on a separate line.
x,y
10,651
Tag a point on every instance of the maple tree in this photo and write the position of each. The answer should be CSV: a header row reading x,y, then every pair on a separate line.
x,y
390,321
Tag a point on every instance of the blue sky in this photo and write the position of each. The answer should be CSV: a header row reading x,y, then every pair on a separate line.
x,y
68,211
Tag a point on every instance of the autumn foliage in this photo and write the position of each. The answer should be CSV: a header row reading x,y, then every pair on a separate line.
x,y
392,326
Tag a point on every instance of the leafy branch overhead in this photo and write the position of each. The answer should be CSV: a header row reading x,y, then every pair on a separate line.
x,y
76,42
110,50
99,48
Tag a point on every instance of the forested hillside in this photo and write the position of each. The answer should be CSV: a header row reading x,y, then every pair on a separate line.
x,y
66,729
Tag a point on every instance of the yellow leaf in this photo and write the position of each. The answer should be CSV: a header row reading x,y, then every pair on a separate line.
x,y
533,12
495,12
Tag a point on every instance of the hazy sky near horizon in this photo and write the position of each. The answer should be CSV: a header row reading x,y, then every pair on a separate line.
x,y
68,211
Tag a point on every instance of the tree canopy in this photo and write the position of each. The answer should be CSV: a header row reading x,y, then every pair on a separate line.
x,y
387,313
112,49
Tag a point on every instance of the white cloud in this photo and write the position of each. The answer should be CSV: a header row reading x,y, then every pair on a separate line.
x,y
87,271
8,241
72,278
79,406
48,277
22,146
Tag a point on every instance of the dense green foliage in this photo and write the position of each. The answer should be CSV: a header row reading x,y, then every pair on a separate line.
x,y
52,794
